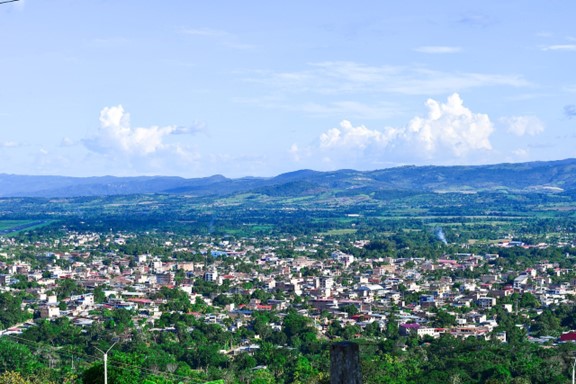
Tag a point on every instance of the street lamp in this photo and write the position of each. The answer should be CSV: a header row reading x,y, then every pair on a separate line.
x,y
106,361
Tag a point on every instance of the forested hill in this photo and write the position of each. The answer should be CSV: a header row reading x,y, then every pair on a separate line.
x,y
548,176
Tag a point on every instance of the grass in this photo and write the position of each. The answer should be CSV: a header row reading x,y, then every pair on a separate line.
x,y
7,224
10,227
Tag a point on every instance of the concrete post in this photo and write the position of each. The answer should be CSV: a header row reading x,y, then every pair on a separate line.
x,y
345,363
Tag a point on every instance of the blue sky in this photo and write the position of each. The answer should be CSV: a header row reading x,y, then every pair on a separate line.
x,y
257,88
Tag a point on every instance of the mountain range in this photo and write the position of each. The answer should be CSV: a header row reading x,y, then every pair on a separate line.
x,y
549,176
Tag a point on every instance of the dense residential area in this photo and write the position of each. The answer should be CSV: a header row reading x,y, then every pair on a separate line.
x,y
267,308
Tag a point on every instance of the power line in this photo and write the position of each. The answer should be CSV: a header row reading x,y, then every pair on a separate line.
x,y
8,1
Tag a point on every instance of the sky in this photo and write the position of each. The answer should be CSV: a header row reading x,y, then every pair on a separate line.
x,y
258,88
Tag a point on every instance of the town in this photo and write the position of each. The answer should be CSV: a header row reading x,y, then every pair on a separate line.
x,y
341,289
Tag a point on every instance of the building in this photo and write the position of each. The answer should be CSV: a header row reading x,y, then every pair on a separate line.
x,y
211,275
49,311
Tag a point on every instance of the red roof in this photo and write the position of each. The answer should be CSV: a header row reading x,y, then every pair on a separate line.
x,y
568,336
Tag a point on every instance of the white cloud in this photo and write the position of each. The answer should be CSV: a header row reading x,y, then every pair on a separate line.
x,y
116,137
67,142
523,125
449,130
438,49
115,134
295,152
521,153
188,130
9,144
349,108
337,78
348,136
560,47
451,126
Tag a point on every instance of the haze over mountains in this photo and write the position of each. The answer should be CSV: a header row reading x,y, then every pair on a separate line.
x,y
552,176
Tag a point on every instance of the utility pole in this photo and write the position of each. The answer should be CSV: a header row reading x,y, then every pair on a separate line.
x,y
574,371
106,361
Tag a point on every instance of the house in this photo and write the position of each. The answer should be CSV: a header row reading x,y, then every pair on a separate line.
x,y
211,275
568,336
486,302
49,311
521,281
417,329
427,301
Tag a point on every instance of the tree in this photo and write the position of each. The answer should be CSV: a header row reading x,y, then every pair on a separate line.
x,y
262,376
99,296
17,357
11,377
350,309
443,319
67,288
294,326
303,371
222,300
528,300
123,368
385,368
10,310
547,324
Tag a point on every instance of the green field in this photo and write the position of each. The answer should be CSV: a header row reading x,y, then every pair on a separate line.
x,y
8,227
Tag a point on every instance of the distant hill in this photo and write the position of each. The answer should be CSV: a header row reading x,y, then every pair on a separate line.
x,y
545,176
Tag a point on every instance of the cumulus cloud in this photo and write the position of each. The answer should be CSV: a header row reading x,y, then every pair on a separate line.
x,y
348,136
451,126
447,126
139,150
448,130
116,136
295,152
523,125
